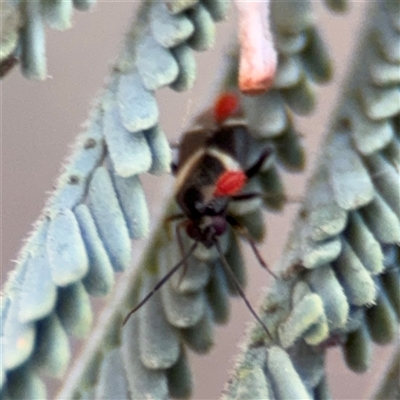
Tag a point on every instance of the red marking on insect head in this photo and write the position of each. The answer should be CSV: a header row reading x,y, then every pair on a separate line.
x,y
226,105
230,183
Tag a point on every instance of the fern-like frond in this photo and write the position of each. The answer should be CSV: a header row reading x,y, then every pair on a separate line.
x,y
84,234
23,32
340,270
339,278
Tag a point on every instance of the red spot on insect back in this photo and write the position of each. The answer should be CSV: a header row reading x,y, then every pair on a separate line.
x,y
230,183
226,105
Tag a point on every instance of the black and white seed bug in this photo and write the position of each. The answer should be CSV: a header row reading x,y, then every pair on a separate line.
x,y
213,166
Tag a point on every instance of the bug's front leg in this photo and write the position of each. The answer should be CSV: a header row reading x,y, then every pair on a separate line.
x,y
254,195
246,196
255,168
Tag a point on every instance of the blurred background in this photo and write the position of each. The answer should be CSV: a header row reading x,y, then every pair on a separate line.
x,y
39,120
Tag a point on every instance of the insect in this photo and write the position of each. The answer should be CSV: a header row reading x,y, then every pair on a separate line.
x,y
215,162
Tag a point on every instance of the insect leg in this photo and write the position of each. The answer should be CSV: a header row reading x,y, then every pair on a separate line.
x,y
161,282
249,196
229,272
174,217
246,196
259,258
171,218
243,231
250,172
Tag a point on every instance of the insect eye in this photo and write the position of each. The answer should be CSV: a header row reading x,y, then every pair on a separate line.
x,y
219,224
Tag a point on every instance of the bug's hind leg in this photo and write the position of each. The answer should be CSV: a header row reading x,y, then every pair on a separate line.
x,y
259,257
229,273
243,231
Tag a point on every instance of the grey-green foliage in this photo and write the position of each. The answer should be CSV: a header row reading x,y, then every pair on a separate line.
x,y
23,32
342,255
84,234
341,267
183,313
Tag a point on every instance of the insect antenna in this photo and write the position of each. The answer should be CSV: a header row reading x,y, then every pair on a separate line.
x,y
229,272
161,282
